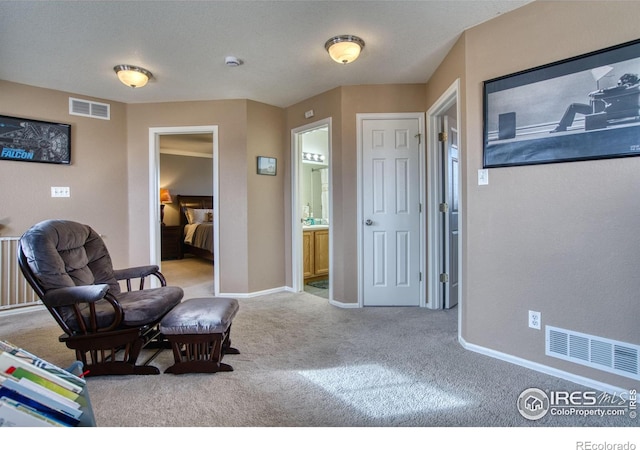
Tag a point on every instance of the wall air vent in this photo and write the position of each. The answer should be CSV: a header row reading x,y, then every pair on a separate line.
x,y
611,356
86,108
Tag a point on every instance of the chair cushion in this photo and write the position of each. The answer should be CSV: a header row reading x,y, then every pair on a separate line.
x,y
63,253
140,307
200,316
149,305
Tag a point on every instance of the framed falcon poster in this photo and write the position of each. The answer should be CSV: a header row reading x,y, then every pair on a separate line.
x,y
34,141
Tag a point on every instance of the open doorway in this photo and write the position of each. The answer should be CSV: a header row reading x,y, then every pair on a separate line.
x,y
445,208
183,164
311,209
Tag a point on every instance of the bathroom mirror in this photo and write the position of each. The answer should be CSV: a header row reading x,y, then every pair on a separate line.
x,y
315,194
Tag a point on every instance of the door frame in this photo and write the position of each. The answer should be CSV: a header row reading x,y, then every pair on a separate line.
x,y
297,278
360,117
154,188
434,193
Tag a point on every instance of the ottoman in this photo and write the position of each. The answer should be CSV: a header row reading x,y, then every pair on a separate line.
x,y
198,330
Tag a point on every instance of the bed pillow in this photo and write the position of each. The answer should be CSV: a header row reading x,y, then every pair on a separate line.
x,y
199,215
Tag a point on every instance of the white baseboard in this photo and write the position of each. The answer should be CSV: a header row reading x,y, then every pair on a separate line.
x,y
21,310
588,382
255,294
343,305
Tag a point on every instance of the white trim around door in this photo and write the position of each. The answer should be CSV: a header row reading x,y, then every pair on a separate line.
x,y
154,188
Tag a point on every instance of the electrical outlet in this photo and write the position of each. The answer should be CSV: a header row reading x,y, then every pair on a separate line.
x,y
535,319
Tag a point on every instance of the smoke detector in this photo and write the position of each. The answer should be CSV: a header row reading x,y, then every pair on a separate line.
x,y
232,61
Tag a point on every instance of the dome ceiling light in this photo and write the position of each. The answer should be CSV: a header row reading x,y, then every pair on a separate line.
x,y
345,48
132,76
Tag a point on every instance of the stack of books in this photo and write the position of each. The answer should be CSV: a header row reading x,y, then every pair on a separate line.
x,y
36,393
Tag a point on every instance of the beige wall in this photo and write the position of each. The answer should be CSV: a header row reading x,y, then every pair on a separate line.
x,y
231,118
325,105
97,175
451,68
342,105
557,238
251,206
109,179
265,233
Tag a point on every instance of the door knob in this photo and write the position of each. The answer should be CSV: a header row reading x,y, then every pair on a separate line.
x,y
368,222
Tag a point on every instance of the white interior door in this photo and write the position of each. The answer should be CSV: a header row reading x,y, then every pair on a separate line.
x,y
391,207
450,216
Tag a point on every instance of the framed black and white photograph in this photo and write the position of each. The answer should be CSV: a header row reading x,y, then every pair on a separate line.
x,y
34,141
587,107
266,165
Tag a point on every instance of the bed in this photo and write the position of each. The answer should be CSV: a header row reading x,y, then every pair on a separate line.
x,y
196,225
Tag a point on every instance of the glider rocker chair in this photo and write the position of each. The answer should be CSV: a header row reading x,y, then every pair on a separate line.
x,y
69,267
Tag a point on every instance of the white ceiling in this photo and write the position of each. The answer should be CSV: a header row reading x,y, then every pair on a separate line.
x,y
73,45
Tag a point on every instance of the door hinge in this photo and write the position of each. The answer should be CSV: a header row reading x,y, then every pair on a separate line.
x,y
419,207
444,207
442,136
444,278
420,276
419,136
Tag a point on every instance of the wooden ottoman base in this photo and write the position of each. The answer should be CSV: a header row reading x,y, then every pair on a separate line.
x,y
199,332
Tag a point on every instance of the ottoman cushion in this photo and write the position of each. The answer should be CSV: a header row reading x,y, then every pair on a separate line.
x,y
200,316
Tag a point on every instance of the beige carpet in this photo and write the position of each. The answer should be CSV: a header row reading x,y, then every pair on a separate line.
x,y
305,363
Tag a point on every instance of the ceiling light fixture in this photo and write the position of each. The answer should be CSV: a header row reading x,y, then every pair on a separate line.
x,y
232,61
132,76
345,48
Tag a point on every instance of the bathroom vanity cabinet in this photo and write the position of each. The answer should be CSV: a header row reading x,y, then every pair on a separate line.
x,y
315,248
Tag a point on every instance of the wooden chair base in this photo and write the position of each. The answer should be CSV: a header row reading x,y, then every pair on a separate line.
x,y
198,330
116,352
200,353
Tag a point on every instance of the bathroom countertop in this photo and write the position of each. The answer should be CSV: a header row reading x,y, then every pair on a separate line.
x,y
315,227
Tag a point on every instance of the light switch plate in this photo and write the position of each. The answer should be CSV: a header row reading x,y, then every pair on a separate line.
x,y
483,177
60,191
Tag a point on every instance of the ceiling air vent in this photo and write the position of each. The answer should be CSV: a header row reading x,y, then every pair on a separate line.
x,y
85,108
600,353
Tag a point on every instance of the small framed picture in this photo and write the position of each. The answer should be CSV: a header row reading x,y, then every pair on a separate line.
x,y
266,165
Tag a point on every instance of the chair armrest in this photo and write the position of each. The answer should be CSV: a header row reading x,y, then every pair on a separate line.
x,y
135,272
76,294
141,272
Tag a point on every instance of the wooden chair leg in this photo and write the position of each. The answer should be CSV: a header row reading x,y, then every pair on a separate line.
x,y
113,353
199,353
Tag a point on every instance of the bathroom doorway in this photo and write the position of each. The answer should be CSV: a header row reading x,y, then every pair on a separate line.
x,y
311,209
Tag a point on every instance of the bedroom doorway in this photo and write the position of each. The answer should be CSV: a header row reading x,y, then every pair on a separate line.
x,y
311,209
183,161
